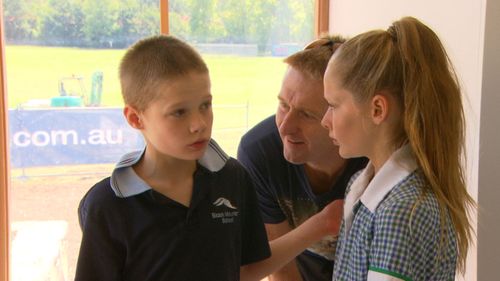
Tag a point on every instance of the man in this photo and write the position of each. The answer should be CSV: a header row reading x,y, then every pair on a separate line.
x,y
296,167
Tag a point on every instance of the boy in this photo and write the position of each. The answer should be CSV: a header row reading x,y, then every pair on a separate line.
x,y
180,209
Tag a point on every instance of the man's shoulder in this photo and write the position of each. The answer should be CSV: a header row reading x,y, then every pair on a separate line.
x,y
265,130
261,142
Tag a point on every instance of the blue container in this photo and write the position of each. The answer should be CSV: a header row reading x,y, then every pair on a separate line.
x,y
66,101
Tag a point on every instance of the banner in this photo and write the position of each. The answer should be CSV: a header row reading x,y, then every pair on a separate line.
x,y
63,136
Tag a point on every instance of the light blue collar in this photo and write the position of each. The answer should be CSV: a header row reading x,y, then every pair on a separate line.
x,y
125,182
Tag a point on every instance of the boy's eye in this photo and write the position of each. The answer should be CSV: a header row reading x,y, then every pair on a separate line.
x,y
179,112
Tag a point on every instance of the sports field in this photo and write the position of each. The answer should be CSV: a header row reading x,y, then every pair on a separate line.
x,y
34,73
244,90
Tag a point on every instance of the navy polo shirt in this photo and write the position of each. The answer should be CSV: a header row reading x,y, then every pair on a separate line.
x,y
131,232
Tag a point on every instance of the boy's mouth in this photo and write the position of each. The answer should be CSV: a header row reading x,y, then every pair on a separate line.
x,y
198,144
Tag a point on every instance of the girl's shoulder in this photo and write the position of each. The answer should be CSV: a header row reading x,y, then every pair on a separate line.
x,y
411,197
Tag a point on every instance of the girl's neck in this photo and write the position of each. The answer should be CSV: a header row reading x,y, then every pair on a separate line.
x,y
380,154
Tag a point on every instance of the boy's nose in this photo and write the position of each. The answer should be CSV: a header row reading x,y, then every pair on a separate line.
x,y
198,123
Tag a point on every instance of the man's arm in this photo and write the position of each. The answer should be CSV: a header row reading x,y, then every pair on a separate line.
x,y
290,271
288,246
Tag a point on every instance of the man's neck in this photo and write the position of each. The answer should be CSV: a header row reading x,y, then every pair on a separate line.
x,y
320,179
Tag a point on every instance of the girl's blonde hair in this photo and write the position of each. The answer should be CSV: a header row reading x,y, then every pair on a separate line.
x,y
409,61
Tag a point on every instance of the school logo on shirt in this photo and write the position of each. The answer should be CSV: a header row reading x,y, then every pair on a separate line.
x,y
225,216
223,201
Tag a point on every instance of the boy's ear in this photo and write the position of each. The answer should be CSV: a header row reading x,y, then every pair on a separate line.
x,y
133,117
379,108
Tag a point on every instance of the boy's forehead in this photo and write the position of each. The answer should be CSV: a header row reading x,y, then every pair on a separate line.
x,y
171,79
186,85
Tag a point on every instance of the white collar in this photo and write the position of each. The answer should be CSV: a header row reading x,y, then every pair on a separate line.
x,y
371,192
125,182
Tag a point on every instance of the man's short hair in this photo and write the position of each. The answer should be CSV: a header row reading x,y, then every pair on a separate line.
x,y
313,59
153,61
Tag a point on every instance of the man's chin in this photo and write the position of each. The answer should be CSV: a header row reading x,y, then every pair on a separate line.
x,y
294,159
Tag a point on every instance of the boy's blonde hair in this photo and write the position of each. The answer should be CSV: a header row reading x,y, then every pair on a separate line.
x,y
409,61
153,61
313,59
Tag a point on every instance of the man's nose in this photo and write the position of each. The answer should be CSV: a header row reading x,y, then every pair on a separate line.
x,y
289,123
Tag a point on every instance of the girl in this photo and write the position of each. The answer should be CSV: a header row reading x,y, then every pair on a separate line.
x,y
393,97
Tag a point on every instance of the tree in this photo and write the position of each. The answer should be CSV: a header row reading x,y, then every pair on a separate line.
x,y
100,23
62,23
201,15
147,20
20,20
261,15
234,19
179,17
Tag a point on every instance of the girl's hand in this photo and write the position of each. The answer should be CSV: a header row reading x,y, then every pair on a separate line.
x,y
330,218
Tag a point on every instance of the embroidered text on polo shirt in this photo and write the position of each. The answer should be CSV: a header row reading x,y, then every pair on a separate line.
x,y
226,216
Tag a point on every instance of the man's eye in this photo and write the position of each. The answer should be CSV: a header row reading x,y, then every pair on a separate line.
x,y
306,115
283,106
206,105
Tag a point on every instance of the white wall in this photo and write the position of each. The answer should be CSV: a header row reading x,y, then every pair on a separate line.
x,y
461,26
489,151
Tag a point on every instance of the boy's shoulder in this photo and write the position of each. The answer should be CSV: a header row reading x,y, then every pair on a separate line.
x,y
232,166
97,197
100,194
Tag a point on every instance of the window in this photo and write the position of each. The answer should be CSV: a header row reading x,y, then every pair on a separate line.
x,y
65,127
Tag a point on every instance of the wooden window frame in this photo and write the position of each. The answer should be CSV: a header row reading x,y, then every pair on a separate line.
x,y
321,13
321,17
4,164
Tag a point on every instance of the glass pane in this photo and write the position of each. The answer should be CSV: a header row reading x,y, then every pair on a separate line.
x,y
66,128
244,43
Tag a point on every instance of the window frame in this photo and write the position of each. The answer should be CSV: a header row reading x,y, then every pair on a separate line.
x,y
4,164
321,22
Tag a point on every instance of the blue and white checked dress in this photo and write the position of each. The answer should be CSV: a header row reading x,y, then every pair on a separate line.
x,y
391,231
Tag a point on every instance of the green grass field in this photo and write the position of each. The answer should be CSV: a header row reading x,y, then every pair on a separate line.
x,y
244,88
34,72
